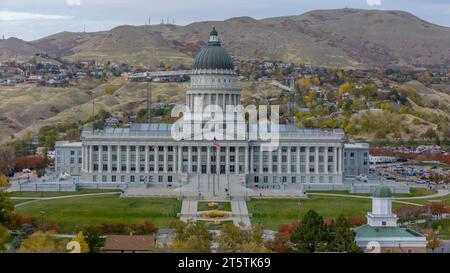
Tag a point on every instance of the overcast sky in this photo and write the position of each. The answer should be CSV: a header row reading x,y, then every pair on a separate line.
x,y
32,19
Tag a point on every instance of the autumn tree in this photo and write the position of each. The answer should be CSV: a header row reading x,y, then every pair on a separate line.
x,y
280,243
191,237
38,242
4,237
92,235
6,209
80,238
433,241
311,234
236,239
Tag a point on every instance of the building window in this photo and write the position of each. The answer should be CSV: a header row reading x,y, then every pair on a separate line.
x,y
160,179
294,179
256,179
169,178
113,178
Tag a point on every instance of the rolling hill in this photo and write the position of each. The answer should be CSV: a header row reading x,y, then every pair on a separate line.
x,y
342,38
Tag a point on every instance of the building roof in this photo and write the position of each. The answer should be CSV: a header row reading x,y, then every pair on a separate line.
x,y
213,56
356,146
68,144
382,191
129,243
165,127
366,231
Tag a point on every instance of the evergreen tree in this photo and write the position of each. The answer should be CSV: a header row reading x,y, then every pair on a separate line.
x,y
342,237
311,234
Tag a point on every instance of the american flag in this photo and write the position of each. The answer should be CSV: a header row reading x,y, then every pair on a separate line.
x,y
216,143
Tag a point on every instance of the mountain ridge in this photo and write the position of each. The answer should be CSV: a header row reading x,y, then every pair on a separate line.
x,y
329,37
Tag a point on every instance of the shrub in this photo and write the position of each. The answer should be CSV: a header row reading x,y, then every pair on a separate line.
x,y
117,229
144,229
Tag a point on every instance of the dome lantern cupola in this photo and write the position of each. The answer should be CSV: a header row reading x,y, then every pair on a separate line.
x,y
214,37
213,56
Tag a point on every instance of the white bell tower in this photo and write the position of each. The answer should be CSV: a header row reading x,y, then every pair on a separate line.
x,y
381,215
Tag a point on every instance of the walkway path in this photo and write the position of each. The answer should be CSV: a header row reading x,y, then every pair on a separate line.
x,y
189,209
240,213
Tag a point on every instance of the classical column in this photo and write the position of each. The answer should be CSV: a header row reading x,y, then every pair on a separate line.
x,y
90,159
279,159
236,160
326,160
119,159
307,159
155,162
289,159
137,159
128,159
298,159
83,165
180,159
246,159
199,157
189,169
261,154
252,159
317,159
100,167
335,159
109,158
340,159
208,160
165,159
270,161
227,159
146,158
175,159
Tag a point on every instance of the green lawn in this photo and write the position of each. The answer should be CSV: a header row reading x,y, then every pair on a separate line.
x,y
225,206
56,194
71,213
19,201
445,228
273,212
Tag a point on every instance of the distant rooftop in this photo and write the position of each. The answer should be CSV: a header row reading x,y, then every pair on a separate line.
x,y
357,146
67,144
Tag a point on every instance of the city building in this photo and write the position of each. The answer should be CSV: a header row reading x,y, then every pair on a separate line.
x,y
146,155
382,233
356,159
68,157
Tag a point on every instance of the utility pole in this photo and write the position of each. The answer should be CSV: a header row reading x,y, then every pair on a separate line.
x,y
149,99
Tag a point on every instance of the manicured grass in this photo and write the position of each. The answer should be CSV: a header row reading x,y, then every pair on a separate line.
x,y
273,212
77,212
19,201
445,228
224,206
56,194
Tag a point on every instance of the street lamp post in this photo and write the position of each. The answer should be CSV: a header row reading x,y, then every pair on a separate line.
x,y
42,218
